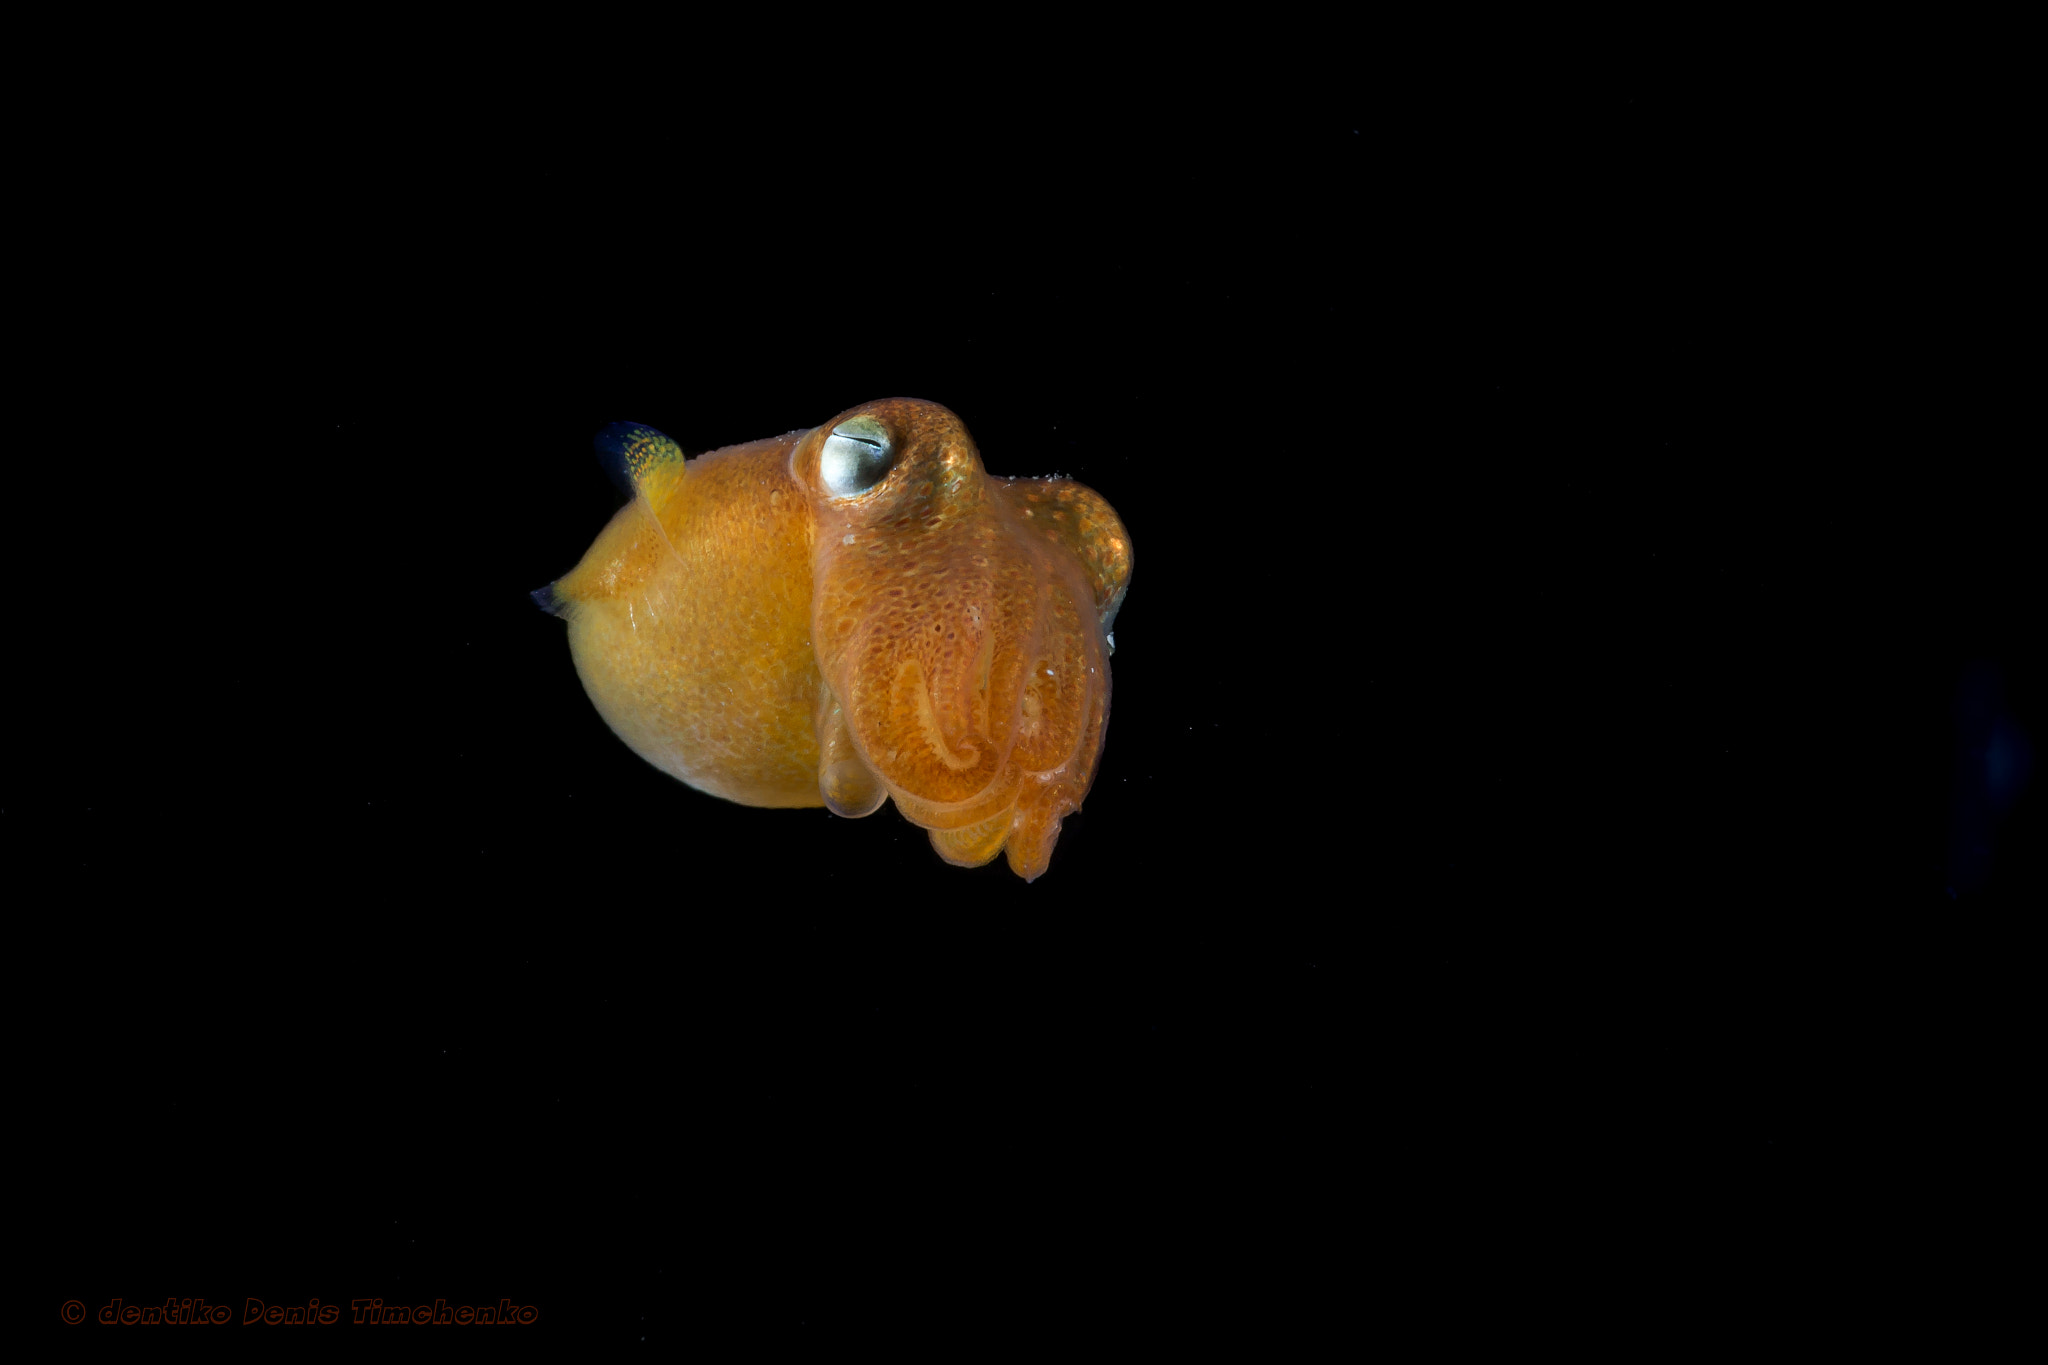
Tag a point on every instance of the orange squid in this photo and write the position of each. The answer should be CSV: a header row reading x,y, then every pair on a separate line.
x,y
854,614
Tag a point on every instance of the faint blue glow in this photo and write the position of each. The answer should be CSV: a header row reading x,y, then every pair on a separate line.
x,y
2006,762
1993,761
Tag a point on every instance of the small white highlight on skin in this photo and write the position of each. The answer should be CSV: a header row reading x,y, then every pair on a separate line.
x,y
847,541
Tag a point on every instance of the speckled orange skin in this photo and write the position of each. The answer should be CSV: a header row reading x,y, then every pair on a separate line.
x,y
690,623
938,640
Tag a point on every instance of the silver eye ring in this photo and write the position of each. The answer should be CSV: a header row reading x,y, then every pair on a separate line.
x,y
857,455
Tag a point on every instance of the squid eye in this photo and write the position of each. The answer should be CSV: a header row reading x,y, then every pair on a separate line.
x,y
856,456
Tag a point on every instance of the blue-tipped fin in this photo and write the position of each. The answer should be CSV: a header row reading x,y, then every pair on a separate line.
x,y
547,599
631,451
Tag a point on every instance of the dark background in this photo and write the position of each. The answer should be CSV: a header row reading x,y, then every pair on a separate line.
x,y
1559,826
